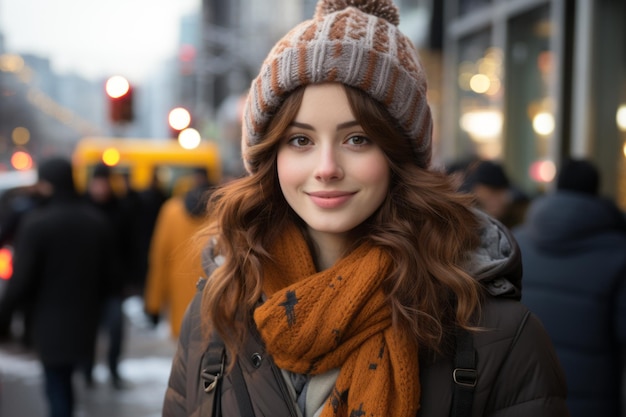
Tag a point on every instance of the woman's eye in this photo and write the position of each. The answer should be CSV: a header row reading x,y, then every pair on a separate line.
x,y
358,140
299,141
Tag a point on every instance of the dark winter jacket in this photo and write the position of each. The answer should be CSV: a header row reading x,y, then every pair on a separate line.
x,y
120,214
518,373
574,257
61,267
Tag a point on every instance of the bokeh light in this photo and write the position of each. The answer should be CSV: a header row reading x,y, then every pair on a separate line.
x,y
543,123
542,171
6,264
620,117
480,83
111,156
189,138
20,136
179,118
21,160
117,86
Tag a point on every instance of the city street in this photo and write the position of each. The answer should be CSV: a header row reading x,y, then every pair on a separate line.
x,y
145,369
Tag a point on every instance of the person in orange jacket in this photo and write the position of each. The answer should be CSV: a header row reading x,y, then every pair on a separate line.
x,y
173,265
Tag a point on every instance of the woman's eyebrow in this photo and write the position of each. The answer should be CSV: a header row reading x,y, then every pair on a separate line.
x,y
340,126
301,125
345,125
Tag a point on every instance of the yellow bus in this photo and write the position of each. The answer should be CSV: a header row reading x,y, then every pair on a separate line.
x,y
142,159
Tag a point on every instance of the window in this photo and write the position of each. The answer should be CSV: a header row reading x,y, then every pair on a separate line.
x,y
479,88
530,110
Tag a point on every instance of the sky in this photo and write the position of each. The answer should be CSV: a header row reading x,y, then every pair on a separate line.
x,y
96,39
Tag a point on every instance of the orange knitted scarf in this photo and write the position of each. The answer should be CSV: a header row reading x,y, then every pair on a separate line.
x,y
314,321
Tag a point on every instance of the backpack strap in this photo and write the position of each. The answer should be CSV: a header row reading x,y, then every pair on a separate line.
x,y
212,374
464,375
241,392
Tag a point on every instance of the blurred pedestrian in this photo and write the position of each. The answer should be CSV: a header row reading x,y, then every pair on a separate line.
x,y
343,267
15,203
131,203
151,200
573,247
63,264
100,194
174,264
494,193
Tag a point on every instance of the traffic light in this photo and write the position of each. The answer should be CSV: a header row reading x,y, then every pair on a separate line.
x,y
120,96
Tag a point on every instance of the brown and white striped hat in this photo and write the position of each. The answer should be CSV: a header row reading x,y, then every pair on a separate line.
x,y
354,42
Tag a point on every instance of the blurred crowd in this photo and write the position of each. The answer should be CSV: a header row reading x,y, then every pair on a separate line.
x,y
77,257
573,246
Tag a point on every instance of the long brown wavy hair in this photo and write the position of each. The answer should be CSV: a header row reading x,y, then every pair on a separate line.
x,y
425,225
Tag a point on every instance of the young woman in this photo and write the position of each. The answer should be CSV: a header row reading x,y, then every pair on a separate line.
x,y
342,268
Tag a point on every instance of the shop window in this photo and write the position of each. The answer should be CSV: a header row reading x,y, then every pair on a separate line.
x,y
479,87
607,103
530,114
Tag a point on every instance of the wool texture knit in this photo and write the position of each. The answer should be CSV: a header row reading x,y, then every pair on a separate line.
x,y
354,42
312,322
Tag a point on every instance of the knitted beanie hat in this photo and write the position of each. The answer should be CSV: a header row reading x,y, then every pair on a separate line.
x,y
354,42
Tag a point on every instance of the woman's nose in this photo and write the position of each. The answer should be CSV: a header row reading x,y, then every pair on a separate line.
x,y
328,165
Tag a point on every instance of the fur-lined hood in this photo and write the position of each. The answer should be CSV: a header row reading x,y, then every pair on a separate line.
x,y
497,262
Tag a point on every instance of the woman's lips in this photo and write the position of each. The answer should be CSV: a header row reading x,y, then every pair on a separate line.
x,y
330,199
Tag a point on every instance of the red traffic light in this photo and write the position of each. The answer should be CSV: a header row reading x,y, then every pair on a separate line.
x,y
120,97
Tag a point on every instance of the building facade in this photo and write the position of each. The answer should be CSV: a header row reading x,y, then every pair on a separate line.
x,y
530,82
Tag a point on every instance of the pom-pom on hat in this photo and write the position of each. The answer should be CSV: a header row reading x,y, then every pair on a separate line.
x,y
354,42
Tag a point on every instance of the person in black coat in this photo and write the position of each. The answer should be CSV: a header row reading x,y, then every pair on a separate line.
x,y
62,265
15,203
573,245
150,201
120,214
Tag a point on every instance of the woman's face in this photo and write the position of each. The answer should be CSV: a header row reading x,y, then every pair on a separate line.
x,y
331,174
